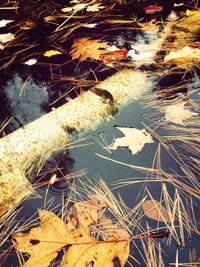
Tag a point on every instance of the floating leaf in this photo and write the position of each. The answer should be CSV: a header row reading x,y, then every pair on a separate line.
x,y
133,139
191,13
119,54
6,37
27,25
53,179
31,62
76,7
184,57
177,113
151,26
90,25
4,22
51,53
95,8
153,9
84,48
154,210
67,9
50,18
44,243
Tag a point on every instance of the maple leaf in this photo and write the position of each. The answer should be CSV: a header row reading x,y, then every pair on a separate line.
x,y
84,48
151,26
133,138
178,114
154,210
44,243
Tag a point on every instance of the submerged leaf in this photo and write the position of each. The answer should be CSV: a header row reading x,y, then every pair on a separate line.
x,y
43,243
154,210
133,138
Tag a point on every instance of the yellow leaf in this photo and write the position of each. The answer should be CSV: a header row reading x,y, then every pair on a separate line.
x,y
51,53
44,243
151,26
84,48
190,13
50,18
154,210
184,57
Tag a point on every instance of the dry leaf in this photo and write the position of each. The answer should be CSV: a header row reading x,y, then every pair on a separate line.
x,y
67,9
44,243
76,7
115,55
31,62
133,139
84,48
190,13
4,22
6,37
27,25
53,179
90,25
154,210
51,53
184,57
50,18
177,113
95,8
151,26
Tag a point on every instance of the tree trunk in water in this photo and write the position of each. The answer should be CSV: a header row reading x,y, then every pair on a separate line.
x,y
21,150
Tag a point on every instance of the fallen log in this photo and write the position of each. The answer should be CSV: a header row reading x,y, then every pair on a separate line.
x,y
21,150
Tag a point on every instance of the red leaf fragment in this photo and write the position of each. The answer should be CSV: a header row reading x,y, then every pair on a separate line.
x,y
119,54
153,9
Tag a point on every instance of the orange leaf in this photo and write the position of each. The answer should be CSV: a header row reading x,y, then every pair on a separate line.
x,y
43,243
84,48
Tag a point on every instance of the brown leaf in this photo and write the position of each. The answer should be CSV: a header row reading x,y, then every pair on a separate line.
x,y
43,243
84,48
154,210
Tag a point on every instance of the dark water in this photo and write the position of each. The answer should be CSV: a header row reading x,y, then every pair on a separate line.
x,y
27,93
